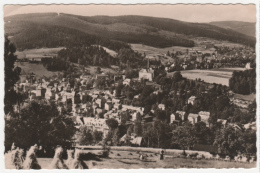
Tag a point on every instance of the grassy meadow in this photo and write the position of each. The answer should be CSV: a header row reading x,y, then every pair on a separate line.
x,y
218,76
38,69
250,97
34,53
130,160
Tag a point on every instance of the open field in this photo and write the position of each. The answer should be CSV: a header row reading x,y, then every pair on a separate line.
x,y
229,44
150,50
119,157
34,53
130,160
38,69
153,50
218,76
250,97
155,53
93,69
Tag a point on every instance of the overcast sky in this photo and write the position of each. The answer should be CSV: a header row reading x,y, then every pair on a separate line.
x,y
189,13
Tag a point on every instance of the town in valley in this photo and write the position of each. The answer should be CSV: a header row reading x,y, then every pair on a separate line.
x,y
128,92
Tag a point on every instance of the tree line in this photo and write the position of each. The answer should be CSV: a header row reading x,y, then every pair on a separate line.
x,y
55,64
243,82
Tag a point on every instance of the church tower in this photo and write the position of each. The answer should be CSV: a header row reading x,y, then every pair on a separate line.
x,y
148,64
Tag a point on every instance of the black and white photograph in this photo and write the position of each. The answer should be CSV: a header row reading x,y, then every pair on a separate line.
x,y
130,86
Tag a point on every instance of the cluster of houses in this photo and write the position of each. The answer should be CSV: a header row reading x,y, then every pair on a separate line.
x,y
240,103
203,116
92,107
222,57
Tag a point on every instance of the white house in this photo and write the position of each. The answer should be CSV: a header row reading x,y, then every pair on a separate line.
x,y
108,106
173,118
127,82
161,106
248,66
191,100
146,74
134,116
98,124
116,101
99,102
193,118
223,122
204,116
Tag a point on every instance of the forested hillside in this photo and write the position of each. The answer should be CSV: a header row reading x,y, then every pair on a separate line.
x,y
53,30
248,28
97,56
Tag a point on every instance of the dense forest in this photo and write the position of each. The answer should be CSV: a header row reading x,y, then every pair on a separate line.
x,y
90,55
97,56
36,35
148,39
243,82
130,58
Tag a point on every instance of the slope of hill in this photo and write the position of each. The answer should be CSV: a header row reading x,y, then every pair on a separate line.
x,y
51,29
247,28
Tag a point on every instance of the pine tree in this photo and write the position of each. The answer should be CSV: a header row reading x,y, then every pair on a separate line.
x,y
11,75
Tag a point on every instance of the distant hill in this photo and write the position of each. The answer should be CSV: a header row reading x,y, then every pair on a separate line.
x,y
247,28
53,30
